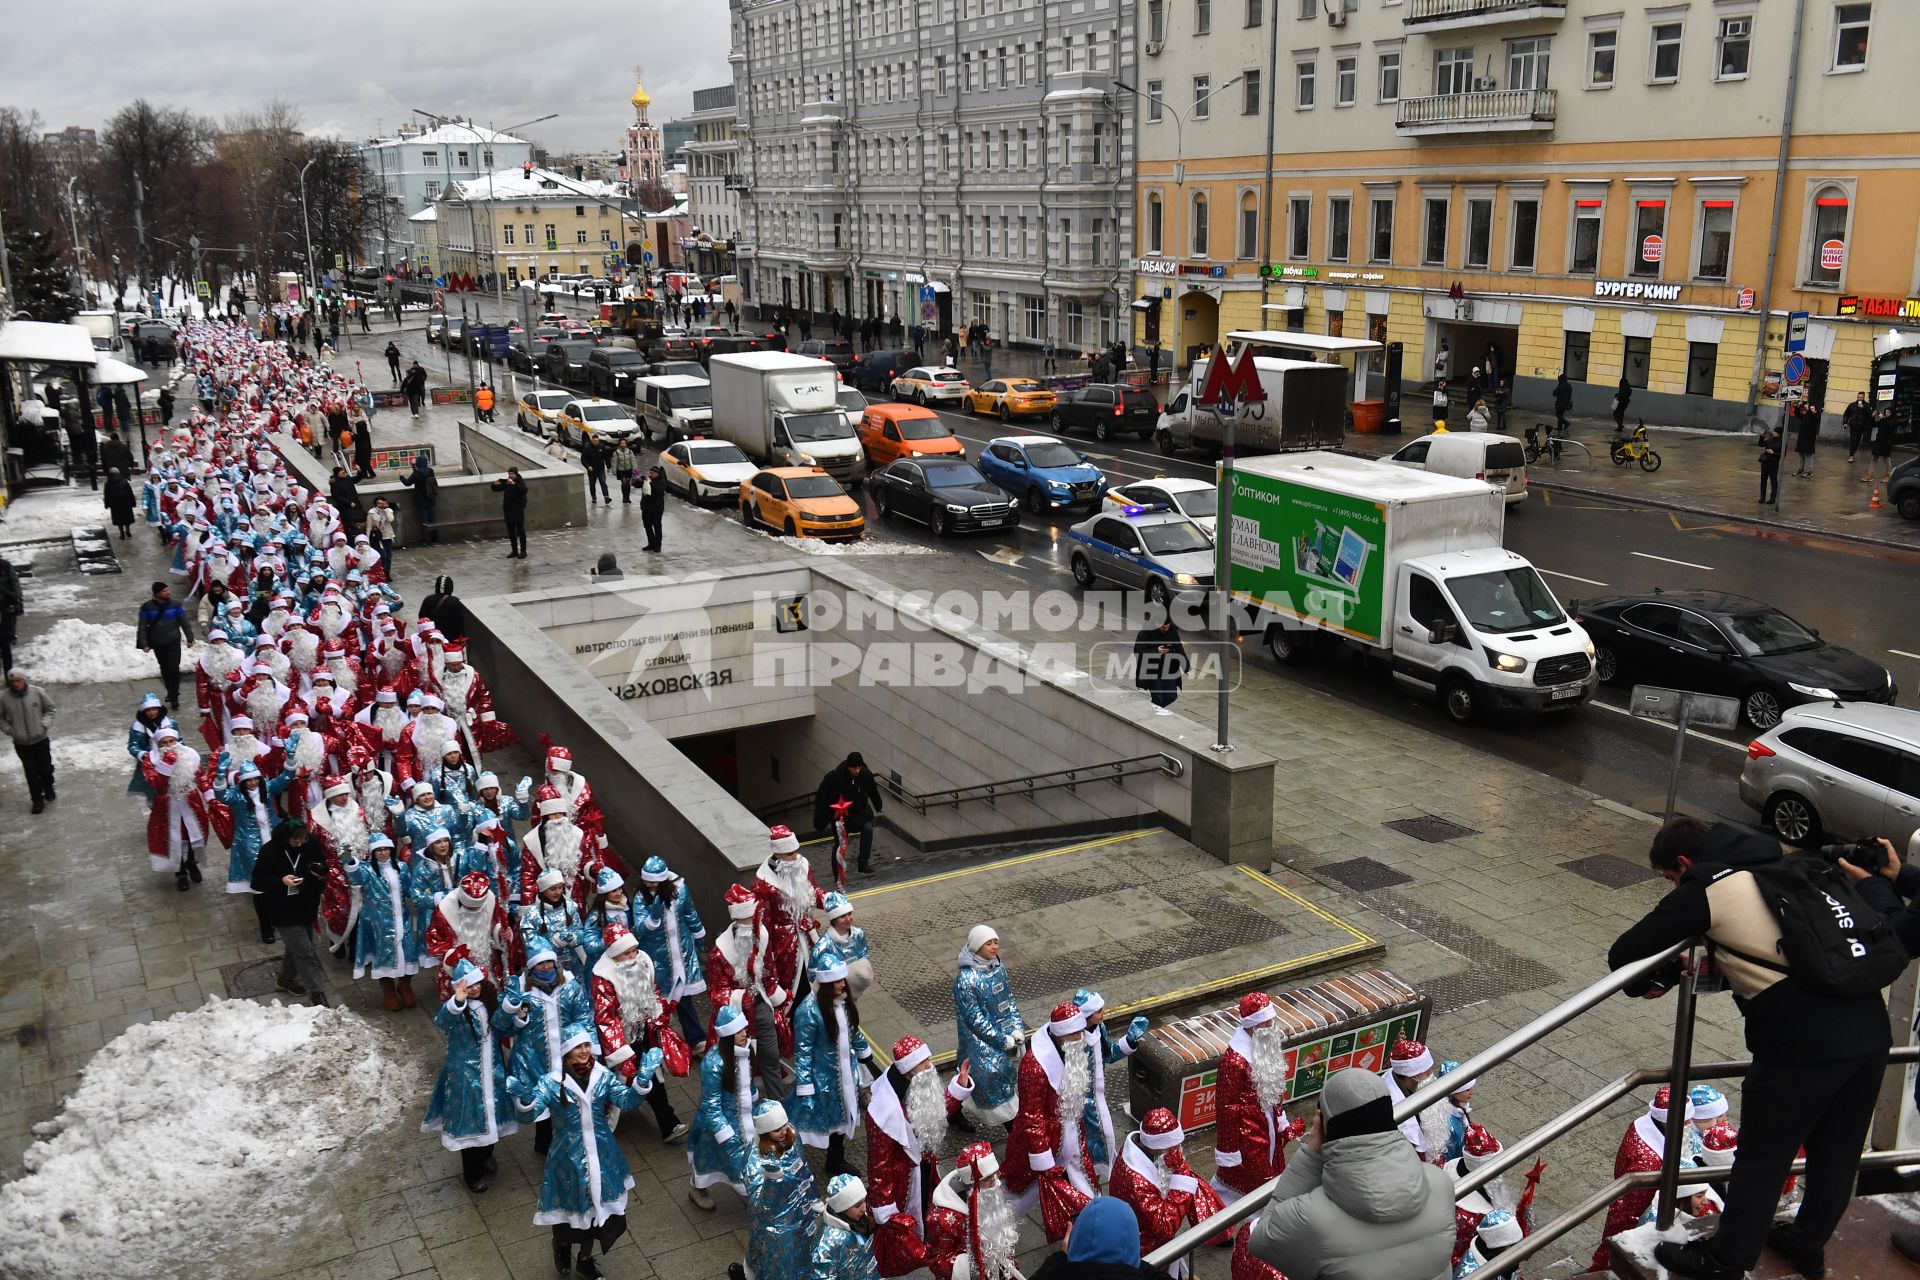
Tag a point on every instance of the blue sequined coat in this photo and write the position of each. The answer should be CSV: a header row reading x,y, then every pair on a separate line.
x,y
988,1020
470,1106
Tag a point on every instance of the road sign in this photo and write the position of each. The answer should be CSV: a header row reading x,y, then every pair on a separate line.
x,y
1682,710
339,262
1796,331
1833,254
1746,299
1652,249
203,289
646,259
1794,371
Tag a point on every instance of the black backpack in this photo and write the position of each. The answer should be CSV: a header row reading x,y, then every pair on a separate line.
x,y
1833,942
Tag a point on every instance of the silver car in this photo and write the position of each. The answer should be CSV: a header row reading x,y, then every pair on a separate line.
x,y
1160,552
1837,770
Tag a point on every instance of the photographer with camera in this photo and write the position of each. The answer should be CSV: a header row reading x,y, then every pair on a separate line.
x,y
1816,1026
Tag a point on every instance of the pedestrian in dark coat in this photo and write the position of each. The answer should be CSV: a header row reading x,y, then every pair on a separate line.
x,y
852,782
1806,437
593,456
362,449
1160,663
11,607
1858,420
115,454
166,405
1562,401
445,609
393,361
414,385
287,879
117,497
653,505
1622,396
1885,427
1770,465
160,627
426,493
513,511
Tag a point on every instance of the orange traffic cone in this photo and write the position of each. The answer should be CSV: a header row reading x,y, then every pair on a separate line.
x,y
1874,504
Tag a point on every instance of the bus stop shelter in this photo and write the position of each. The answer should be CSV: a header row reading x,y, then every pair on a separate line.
x,y
36,349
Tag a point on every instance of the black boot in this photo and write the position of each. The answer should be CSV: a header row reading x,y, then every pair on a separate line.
x,y
562,1257
586,1268
1810,1262
193,869
180,881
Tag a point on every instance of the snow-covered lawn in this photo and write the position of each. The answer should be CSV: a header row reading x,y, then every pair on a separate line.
x,y
51,513
76,652
190,1135
104,753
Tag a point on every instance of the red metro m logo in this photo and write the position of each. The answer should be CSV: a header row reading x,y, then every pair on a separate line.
x,y
1238,383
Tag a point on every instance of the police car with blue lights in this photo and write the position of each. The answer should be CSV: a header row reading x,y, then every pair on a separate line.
x,y
1157,549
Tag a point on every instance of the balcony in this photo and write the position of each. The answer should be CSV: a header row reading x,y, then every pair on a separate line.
x,y
1483,111
1456,15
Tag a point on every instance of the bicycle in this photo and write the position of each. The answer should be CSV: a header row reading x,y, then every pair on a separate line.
x,y
1548,448
1634,448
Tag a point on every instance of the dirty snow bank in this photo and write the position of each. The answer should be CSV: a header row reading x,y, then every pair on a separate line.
x,y
52,513
76,652
207,1127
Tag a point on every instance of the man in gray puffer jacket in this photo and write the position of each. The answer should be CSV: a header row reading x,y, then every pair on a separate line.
x,y
1356,1201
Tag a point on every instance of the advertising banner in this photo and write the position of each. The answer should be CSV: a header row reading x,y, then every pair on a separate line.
x,y
1309,554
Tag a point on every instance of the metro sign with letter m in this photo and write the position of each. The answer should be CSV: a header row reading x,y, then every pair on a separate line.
x,y
1228,385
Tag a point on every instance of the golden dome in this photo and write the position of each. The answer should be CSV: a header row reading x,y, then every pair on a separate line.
x,y
640,98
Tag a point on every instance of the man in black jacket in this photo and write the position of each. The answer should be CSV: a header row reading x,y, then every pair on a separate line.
x,y
160,627
853,782
1817,1059
513,511
1160,664
287,879
653,505
1892,892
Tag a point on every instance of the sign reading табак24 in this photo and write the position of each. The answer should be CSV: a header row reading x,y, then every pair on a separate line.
x,y
1640,290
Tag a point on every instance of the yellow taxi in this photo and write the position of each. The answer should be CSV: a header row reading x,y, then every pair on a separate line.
x,y
1010,398
890,431
925,383
539,411
601,421
801,502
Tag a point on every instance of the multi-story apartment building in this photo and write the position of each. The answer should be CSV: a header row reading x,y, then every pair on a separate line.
x,y
945,161
1605,189
713,181
415,167
528,224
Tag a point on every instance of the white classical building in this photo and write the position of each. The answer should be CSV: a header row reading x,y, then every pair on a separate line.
x,y
713,181
937,161
414,167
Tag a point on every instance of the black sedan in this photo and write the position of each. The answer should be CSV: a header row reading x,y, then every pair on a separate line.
x,y
948,495
1107,409
1713,642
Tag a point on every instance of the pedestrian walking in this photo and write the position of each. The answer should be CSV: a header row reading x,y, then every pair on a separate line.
x,y
1562,401
166,405
470,1108
1476,386
850,782
593,456
624,465
1806,437
1884,429
1441,402
1770,465
733,315
1050,355
360,309
117,497
653,505
1442,362
1622,397
986,358
1477,419
161,625
362,447
381,531
414,385
393,361
26,716
1818,1053
12,605
513,511
445,610
1160,664
426,493
1500,400
483,401
1858,420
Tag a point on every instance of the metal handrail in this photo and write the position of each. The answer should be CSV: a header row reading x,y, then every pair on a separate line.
x,y
1493,1055
1009,788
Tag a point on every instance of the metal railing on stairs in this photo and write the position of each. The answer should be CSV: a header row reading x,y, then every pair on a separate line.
x,y
1006,789
1680,1073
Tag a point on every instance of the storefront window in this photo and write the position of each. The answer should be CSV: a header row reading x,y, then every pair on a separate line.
x,y
1647,249
1703,359
1575,360
1638,355
1827,246
1716,239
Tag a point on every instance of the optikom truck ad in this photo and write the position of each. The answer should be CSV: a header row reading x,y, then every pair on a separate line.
x,y
1309,554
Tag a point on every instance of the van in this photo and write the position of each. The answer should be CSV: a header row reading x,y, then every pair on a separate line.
x,y
1471,455
673,406
875,371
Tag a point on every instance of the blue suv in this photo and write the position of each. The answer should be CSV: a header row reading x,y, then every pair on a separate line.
x,y
1042,472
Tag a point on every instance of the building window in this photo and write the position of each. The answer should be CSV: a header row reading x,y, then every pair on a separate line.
x,y
553,238
1250,94
1601,48
1346,79
1202,17
433,191
606,235
1156,221
1527,63
1255,12
1390,77
1703,360
1076,317
1156,26
580,236
1850,23
1303,78
1453,71
1339,227
1647,247
1202,90
506,234
1734,48
1525,217
1380,246
1433,247
1479,233
1583,257
460,158
1716,240
1637,356
486,158
1154,104
1573,362
1827,246
1665,66
1299,218
430,159
529,231
1249,225
1034,311
1309,10
1198,226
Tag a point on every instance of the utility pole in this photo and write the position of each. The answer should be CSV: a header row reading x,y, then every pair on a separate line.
x,y
140,227
79,259
1773,233
306,226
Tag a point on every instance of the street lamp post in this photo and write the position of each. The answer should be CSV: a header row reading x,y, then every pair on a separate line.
x,y
307,227
73,220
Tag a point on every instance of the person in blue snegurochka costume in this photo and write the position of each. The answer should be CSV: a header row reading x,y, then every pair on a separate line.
x,y
723,1124
548,1007
991,1032
386,943
1498,1232
1098,1113
1458,1108
849,941
608,904
470,1108
671,931
150,719
583,1193
843,1249
832,1062
431,876
554,916
508,809
781,1192
249,800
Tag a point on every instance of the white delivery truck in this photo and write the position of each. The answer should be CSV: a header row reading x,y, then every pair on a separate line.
x,y
102,326
1407,566
1305,408
784,411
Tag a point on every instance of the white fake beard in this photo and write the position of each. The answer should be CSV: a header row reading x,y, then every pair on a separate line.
x,y
926,1108
336,562
1269,1066
305,650
430,733
473,926
1162,1174
342,675
333,621
276,663
244,747
221,661
999,1232
347,824
275,622
560,844
373,796
1076,1081
390,720
639,999
263,707
311,754
796,887
454,686
392,658
1435,1129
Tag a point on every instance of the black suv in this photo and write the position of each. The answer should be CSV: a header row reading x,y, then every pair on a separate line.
x,y
1107,409
566,360
875,371
611,371
840,353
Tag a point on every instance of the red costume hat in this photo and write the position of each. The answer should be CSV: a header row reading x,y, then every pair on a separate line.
x,y
1410,1058
1256,1008
474,887
1160,1131
1479,1147
1067,1019
909,1052
739,902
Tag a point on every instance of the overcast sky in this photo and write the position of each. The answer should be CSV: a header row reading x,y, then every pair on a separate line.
x,y
355,67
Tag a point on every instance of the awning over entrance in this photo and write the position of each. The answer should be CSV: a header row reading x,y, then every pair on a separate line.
x,y
43,343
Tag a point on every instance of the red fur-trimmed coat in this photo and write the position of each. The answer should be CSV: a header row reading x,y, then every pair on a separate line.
x,y
1161,1214
1249,1141
1043,1156
788,942
446,948
1640,1151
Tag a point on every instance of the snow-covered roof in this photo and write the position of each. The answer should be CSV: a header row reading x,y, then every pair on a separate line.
x,y
111,372
429,214
45,343
538,184
453,132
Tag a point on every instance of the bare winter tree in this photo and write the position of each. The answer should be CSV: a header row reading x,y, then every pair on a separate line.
x,y
145,173
30,188
654,195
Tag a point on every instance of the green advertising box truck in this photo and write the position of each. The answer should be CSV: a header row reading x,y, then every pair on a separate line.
x,y
1408,566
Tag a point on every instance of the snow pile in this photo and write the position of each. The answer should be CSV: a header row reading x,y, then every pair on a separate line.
x,y
48,597
206,1127
1638,1244
105,754
52,513
76,652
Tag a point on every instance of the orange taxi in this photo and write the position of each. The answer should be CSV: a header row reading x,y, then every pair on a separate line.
x,y
893,431
801,502
1010,398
